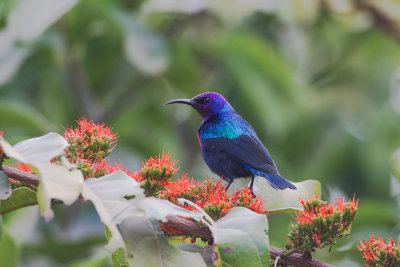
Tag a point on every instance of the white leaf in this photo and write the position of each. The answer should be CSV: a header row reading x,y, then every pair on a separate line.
x,y
107,194
56,181
243,234
43,148
5,187
150,249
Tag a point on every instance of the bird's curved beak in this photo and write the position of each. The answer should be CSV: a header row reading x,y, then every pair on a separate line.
x,y
181,101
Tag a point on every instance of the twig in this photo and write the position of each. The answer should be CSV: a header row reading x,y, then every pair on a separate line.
x,y
381,19
21,176
190,227
197,230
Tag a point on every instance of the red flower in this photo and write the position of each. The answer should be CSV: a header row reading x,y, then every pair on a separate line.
x,y
160,168
89,141
23,167
377,252
243,198
320,224
211,196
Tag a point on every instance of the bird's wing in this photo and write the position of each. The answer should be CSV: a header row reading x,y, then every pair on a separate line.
x,y
245,149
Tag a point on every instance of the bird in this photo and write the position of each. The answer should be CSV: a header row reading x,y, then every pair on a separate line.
x,y
229,145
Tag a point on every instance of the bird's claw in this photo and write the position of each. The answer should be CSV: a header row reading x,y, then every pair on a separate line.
x,y
252,194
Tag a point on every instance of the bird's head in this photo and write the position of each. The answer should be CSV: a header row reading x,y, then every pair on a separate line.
x,y
207,104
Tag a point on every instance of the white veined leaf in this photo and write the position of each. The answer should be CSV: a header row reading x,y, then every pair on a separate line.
x,y
107,195
150,248
56,181
241,237
43,148
157,209
5,186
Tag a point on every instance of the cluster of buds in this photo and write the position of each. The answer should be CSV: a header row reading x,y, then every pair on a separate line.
x,y
89,141
89,144
156,173
320,224
211,196
376,252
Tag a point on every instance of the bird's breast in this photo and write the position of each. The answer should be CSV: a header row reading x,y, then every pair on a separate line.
x,y
221,129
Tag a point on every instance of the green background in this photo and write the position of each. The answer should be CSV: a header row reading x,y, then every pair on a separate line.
x,y
319,83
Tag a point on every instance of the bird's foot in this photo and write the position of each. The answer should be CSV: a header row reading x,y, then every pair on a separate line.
x,y
252,194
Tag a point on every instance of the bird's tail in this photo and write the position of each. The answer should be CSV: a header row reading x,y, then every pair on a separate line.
x,y
278,182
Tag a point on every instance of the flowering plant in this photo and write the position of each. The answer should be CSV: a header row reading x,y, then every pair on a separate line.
x,y
377,252
320,224
88,144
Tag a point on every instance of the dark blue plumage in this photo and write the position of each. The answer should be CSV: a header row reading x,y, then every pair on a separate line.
x,y
229,145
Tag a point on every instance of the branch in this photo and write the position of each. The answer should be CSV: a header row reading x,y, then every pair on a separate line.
x,y
381,20
188,226
197,230
21,176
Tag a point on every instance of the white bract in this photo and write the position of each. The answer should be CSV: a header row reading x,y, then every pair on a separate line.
x,y
56,181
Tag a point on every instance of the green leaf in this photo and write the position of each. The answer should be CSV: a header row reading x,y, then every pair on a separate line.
x,y
281,201
5,187
118,257
150,248
9,252
241,239
56,181
287,211
20,198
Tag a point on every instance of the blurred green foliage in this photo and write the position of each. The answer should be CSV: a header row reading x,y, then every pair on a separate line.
x,y
319,83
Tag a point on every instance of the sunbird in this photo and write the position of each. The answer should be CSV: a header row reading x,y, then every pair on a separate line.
x,y
229,145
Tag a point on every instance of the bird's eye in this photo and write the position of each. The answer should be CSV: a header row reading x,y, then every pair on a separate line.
x,y
206,100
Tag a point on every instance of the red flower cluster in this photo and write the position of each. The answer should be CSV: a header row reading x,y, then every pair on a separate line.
x,y
89,141
156,173
376,252
211,196
160,168
320,224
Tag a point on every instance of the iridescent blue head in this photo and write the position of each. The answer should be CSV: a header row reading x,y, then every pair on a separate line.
x,y
207,104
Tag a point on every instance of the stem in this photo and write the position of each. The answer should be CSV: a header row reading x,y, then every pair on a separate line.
x,y
188,226
21,176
